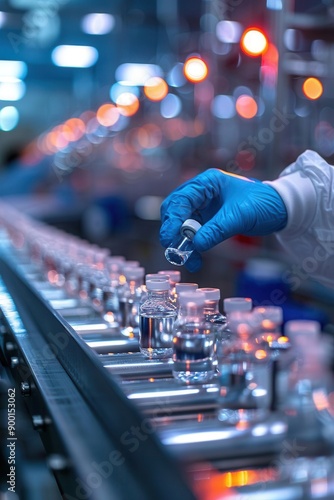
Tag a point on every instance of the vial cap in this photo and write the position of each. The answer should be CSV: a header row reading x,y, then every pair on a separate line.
x,y
302,328
196,297
189,228
174,276
185,287
237,304
133,273
270,313
159,285
156,276
211,293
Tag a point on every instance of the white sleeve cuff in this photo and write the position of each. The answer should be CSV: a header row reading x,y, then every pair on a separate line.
x,y
299,196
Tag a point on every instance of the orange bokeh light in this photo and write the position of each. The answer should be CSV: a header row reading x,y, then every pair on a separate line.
x,y
127,104
260,354
155,88
246,106
312,88
195,69
254,42
73,129
107,115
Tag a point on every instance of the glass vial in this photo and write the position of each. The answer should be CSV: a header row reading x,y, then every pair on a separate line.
x,y
271,320
130,299
182,247
193,341
157,315
246,398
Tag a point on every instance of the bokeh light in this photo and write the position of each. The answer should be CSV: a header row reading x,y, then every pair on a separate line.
x,y
9,118
155,88
253,42
223,106
119,88
11,89
107,115
175,77
312,88
73,129
228,31
170,106
127,104
246,106
195,69
98,23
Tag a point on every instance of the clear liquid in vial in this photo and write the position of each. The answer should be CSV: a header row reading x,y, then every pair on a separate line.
x,y
156,335
176,256
193,357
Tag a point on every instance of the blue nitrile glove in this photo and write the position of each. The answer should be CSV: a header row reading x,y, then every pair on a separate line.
x,y
226,205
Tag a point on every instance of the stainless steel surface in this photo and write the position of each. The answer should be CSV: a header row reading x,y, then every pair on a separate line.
x,y
135,366
168,397
183,418
78,409
104,344
212,440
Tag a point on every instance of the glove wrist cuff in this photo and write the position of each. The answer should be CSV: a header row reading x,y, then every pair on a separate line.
x,y
299,197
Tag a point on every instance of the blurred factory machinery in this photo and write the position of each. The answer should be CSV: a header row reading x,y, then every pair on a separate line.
x,y
105,108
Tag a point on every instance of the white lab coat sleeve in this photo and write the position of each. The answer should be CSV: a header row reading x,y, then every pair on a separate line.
x,y
307,189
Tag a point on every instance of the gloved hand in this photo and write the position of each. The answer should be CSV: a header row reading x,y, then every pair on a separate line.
x,y
226,205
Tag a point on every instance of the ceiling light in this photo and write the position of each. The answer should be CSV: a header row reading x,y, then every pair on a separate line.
x,y
11,90
15,69
137,74
74,56
97,24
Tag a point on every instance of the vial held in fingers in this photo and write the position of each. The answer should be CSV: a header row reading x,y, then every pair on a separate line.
x,y
182,247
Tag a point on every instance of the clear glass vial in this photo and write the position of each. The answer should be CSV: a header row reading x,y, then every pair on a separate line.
x,y
157,315
182,247
193,341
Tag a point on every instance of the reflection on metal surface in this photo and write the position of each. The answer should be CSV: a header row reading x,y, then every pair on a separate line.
x,y
196,437
90,327
106,343
157,394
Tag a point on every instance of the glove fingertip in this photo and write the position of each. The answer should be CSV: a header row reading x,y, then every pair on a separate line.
x,y
202,243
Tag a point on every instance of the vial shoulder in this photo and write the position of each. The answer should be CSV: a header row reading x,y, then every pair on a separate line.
x,y
158,305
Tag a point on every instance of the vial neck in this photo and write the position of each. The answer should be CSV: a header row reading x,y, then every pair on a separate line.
x,y
194,310
211,307
161,294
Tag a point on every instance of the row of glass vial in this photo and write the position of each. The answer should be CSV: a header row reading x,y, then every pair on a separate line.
x,y
117,291
189,329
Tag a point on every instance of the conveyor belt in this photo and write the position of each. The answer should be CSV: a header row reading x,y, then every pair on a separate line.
x,y
79,406
97,400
